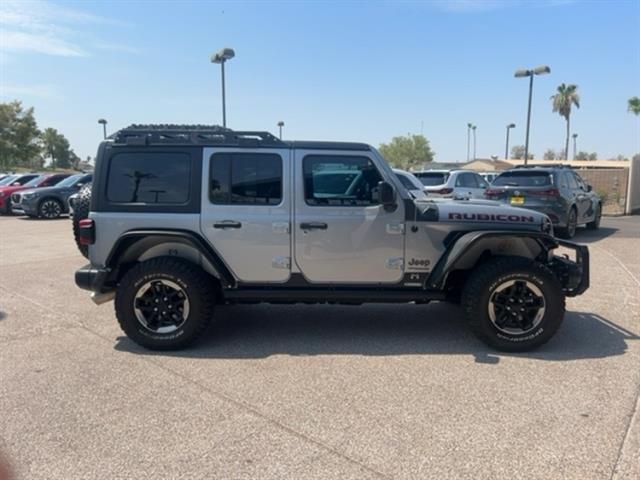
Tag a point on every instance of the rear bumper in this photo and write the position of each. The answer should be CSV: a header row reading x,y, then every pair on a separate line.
x,y
574,276
91,278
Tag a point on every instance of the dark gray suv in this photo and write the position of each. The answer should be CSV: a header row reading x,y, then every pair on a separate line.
x,y
48,202
554,190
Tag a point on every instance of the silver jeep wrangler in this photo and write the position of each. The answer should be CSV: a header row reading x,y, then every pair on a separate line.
x,y
183,218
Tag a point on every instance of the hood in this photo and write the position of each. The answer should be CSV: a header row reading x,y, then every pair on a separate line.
x,y
482,214
8,189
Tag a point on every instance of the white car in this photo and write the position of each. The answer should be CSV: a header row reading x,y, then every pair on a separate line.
x,y
411,183
456,184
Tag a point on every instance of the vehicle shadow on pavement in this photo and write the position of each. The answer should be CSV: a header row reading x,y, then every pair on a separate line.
x,y
259,331
584,235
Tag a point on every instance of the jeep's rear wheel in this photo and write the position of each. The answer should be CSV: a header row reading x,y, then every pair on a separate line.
x,y
164,303
513,303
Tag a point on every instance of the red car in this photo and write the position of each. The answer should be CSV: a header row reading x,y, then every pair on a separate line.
x,y
27,180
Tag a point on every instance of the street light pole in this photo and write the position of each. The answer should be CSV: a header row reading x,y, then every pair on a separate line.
x,y
506,148
474,141
280,125
541,70
103,122
575,150
468,140
221,57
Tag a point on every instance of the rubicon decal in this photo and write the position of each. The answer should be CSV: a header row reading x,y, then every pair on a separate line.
x,y
491,217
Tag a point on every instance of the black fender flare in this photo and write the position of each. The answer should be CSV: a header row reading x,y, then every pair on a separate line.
x,y
465,241
136,242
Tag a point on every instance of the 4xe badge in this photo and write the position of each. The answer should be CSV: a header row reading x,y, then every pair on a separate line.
x,y
419,264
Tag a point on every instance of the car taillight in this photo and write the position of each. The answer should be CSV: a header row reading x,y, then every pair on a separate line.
x,y
550,192
490,192
444,191
87,232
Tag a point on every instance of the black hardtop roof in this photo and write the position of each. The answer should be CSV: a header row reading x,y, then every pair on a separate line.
x,y
215,135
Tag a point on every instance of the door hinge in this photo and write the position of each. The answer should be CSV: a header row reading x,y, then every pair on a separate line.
x,y
395,263
281,262
280,227
395,228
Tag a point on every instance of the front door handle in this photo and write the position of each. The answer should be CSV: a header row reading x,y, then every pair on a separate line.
x,y
313,226
227,224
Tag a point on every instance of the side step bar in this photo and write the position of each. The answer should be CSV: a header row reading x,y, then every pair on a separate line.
x,y
326,296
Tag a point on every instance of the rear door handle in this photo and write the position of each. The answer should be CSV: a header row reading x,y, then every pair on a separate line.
x,y
227,224
313,226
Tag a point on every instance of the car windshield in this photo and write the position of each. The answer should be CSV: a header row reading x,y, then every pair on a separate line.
x,y
7,180
35,182
67,182
432,178
523,179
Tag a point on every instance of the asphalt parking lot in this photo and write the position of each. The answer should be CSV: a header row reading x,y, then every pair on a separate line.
x,y
314,391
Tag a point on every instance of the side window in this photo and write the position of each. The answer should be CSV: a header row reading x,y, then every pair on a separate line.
x,y
51,181
337,180
406,182
467,180
149,178
571,180
579,180
480,181
245,179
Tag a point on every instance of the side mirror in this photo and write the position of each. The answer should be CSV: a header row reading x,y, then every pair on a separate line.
x,y
589,188
386,195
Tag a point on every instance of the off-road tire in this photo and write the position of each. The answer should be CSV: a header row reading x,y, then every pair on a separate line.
x,y
595,224
81,209
195,283
490,276
569,231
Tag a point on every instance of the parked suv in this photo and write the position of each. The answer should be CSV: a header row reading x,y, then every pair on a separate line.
x,y
27,181
48,202
186,218
457,184
555,190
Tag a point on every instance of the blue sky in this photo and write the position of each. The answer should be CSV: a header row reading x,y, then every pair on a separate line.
x,y
360,71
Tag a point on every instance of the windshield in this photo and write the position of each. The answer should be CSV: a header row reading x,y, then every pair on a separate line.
x,y
7,180
523,179
67,182
35,182
432,178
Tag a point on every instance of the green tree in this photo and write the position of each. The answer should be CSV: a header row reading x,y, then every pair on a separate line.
x,y
517,152
19,137
566,96
633,105
407,151
57,148
550,154
586,156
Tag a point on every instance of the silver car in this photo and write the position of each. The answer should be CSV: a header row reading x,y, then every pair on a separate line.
x,y
456,184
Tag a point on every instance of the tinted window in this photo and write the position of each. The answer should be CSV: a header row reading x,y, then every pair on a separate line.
x,y
337,180
571,180
430,179
54,180
161,178
406,182
523,179
7,180
30,180
70,180
467,180
246,179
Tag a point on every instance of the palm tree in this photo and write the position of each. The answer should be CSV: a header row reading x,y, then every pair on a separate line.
x,y
633,105
566,96
49,142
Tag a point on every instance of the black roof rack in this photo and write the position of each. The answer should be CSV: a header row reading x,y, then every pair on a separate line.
x,y
549,165
193,135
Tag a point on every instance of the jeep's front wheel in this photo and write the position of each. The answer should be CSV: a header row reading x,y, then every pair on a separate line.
x,y
164,303
513,304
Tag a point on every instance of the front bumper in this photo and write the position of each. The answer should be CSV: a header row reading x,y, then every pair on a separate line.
x,y
574,276
92,278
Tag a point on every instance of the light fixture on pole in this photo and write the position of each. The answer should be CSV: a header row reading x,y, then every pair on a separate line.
x,y
103,122
541,70
280,125
221,57
506,149
575,149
